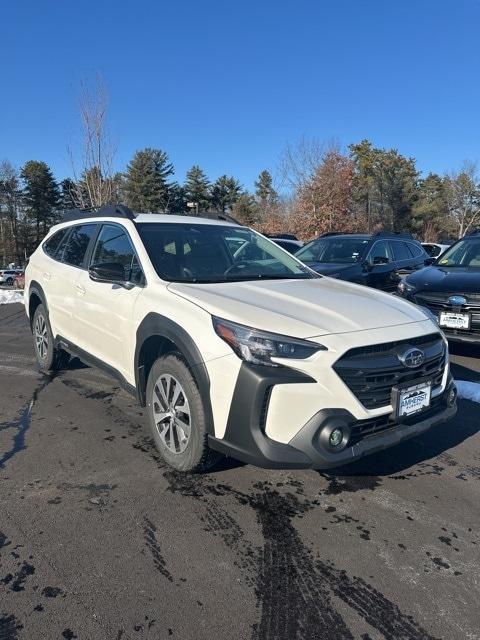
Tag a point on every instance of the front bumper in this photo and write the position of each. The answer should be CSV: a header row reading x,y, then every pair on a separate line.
x,y
436,306
245,438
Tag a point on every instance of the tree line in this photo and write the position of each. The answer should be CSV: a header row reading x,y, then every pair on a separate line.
x,y
361,189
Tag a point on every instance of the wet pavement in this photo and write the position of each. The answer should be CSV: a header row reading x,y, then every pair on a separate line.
x,y
100,540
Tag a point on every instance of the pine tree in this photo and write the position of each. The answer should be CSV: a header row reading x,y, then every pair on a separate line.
x,y
146,186
430,215
225,192
68,194
41,196
197,188
177,201
245,209
266,195
385,186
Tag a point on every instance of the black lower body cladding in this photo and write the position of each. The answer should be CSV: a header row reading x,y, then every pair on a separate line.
x,y
245,438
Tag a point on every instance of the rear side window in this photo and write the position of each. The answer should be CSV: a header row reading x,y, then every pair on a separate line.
x,y
77,244
401,250
51,245
114,245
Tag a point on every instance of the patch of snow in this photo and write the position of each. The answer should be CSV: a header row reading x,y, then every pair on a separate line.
x,y
9,296
468,390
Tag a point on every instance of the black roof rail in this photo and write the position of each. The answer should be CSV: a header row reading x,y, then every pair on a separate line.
x,y
106,211
215,215
400,234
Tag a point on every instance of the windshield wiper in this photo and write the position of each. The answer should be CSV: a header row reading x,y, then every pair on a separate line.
x,y
270,276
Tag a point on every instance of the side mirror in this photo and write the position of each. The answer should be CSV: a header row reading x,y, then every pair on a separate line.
x,y
380,260
110,273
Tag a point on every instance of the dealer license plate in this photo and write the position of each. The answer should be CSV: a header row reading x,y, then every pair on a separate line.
x,y
452,320
414,399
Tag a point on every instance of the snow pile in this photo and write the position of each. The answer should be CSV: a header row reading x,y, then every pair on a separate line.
x,y
9,296
468,390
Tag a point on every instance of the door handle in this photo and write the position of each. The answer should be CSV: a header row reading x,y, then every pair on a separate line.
x,y
80,290
47,276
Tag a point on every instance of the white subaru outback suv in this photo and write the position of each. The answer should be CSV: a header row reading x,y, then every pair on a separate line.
x,y
233,345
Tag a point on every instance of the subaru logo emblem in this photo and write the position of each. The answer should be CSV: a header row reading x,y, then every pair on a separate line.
x,y
457,301
412,358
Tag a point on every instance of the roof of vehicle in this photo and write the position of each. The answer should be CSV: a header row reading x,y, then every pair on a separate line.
x,y
378,234
121,211
281,236
359,236
181,219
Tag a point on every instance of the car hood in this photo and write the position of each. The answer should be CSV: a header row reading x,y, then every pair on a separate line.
x,y
301,308
445,279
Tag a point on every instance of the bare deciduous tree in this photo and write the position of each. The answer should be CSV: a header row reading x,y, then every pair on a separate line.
x,y
95,180
299,161
463,197
10,211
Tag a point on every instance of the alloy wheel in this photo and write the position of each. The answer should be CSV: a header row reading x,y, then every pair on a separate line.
x,y
171,412
41,337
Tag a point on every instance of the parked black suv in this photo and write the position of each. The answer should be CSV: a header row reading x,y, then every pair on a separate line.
x,y
450,288
377,260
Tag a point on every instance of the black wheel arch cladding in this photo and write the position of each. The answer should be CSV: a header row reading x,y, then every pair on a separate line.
x,y
36,290
156,325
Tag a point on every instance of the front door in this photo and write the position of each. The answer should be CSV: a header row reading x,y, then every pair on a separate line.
x,y
105,311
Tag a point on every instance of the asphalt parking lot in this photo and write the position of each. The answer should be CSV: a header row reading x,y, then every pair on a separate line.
x,y
99,540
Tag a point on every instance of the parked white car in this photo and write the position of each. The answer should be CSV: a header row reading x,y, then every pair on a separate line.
x,y
435,249
254,356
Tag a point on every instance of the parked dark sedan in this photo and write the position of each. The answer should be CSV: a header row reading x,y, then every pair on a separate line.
x,y
377,260
450,288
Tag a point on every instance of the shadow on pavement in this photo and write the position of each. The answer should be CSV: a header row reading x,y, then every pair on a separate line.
x,y
461,372
464,349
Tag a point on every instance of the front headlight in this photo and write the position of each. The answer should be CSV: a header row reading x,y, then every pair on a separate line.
x,y
406,289
259,347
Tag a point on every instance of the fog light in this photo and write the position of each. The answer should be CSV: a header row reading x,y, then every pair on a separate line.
x,y
336,438
451,396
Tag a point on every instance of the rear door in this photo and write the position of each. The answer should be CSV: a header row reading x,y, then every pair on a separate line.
x,y
404,260
104,312
419,255
60,274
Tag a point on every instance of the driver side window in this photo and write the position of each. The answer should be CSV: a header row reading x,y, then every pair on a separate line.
x,y
113,245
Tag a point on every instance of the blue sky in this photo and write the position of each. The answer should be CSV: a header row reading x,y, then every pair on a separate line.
x,y
227,84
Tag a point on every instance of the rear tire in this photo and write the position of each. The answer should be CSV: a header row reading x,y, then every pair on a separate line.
x,y
49,356
177,416
9,281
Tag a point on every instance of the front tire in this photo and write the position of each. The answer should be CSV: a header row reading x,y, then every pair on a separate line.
x,y
49,356
177,416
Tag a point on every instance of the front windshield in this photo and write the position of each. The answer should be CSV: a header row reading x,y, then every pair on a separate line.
x,y
216,253
333,250
465,253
